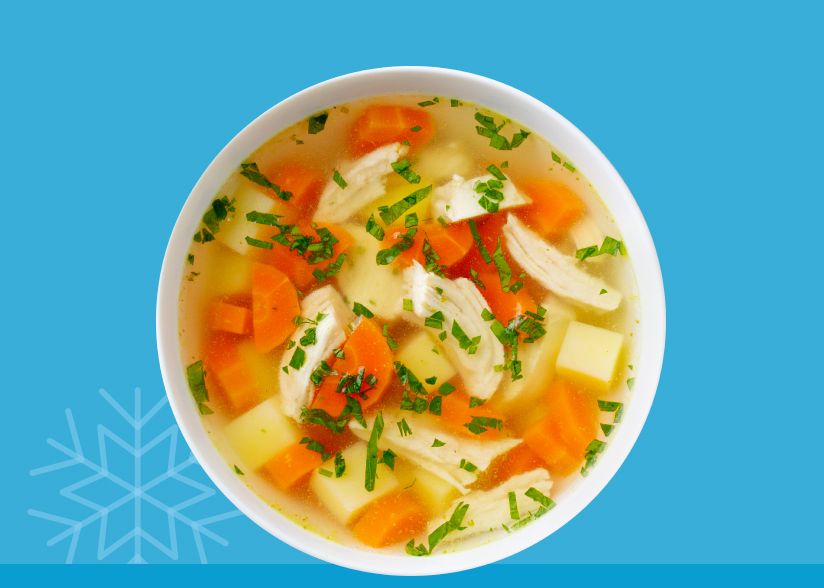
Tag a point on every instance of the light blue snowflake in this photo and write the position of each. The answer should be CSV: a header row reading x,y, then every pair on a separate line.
x,y
136,495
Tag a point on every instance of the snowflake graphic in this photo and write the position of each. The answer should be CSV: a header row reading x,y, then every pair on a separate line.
x,y
124,520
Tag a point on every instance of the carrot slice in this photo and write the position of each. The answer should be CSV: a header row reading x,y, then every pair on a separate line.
x,y
391,519
303,182
490,229
274,306
292,466
516,461
296,267
226,368
381,124
231,318
554,208
505,305
456,414
366,348
451,243
561,438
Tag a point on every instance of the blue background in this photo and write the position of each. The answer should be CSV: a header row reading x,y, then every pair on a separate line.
x,y
710,111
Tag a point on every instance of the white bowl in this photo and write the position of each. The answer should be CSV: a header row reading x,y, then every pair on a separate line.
x,y
537,117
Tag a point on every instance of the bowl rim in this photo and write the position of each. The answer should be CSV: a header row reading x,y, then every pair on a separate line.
x,y
501,98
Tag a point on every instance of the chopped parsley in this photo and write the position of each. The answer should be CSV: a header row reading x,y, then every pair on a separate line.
x,y
446,389
340,464
438,443
432,102
610,246
196,377
251,172
374,229
190,259
390,341
481,424
316,446
491,130
513,506
435,537
330,270
404,428
238,471
338,179
388,458
435,405
435,320
411,220
476,279
407,305
298,358
404,169
372,453
388,255
431,259
468,466
389,214
476,236
258,243
320,417
325,472
470,345
360,310
217,213
454,102
593,450
504,271
317,122
614,407
475,401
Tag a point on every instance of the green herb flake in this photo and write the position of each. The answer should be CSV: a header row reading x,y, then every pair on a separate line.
x,y
438,443
388,458
435,320
470,345
454,103
435,405
340,464
610,246
404,169
190,259
475,401
390,341
593,450
338,179
372,453
317,122
251,172
446,389
258,243
481,424
607,428
435,537
431,102
407,305
569,166
196,377
556,158
325,472
298,358
316,446
360,310
540,497
416,129
238,471
389,214
404,428
468,466
374,229
513,507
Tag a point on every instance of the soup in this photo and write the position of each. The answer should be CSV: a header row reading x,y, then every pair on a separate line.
x,y
407,322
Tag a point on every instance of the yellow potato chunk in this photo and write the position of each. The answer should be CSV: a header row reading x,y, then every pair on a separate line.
x,y
433,492
417,354
346,497
234,230
589,354
260,433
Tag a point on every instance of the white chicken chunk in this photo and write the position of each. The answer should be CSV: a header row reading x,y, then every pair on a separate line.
x,y
330,332
459,302
489,510
558,273
458,200
449,461
365,181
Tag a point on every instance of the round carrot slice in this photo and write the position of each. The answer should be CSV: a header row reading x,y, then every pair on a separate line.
x,y
274,307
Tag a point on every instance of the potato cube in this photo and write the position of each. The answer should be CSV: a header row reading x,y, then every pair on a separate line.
x,y
234,230
347,496
589,355
434,493
417,354
258,434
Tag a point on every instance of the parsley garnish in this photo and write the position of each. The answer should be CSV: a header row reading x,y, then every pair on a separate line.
x,y
339,179
340,464
407,305
330,270
404,428
317,122
610,246
513,507
476,279
476,236
251,172
388,458
404,169
360,310
316,446
475,401
372,453
258,243
504,271
298,358
238,471
390,214
432,102
454,102
374,229
436,536
388,255
491,131
468,466
431,259
481,424
470,345
446,389
438,443
594,448
435,320
196,377
217,213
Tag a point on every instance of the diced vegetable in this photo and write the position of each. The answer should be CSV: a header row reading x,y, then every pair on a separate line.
x,y
228,368
235,273
274,306
555,271
292,465
537,362
458,461
362,280
328,316
391,519
248,197
380,124
561,438
303,182
261,433
364,180
365,349
517,460
460,199
441,163
457,412
421,353
489,510
450,244
230,318
589,355
477,353
395,191
345,497
434,493
505,305
554,209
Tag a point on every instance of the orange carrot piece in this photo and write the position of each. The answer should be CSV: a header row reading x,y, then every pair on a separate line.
x,y
505,305
456,414
490,229
303,182
292,466
274,306
366,348
451,243
554,208
225,367
391,519
230,318
381,124
561,438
